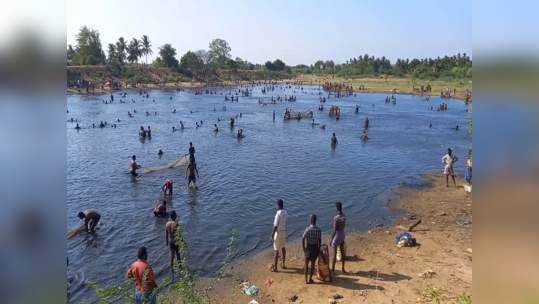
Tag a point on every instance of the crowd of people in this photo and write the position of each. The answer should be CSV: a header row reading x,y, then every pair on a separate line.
x,y
312,245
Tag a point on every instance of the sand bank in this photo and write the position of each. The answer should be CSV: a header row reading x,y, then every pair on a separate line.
x,y
383,273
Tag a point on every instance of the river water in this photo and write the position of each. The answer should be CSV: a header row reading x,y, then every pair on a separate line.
x,y
240,180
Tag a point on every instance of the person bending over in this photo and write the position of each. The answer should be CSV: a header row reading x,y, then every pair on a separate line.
x,y
161,210
91,218
167,187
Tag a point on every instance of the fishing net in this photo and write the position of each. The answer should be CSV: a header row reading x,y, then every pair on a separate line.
x,y
73,232
182,161
304,114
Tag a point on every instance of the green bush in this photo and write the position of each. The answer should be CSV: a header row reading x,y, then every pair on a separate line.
x,y
184,286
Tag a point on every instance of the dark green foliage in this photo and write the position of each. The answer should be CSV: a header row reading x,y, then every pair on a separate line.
x,y
168,56
88,50
446,68
183,287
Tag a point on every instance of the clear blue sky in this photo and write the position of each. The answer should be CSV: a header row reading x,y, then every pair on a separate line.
x,y
293,31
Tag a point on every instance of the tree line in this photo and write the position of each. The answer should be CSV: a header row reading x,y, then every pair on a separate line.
x,y
204,63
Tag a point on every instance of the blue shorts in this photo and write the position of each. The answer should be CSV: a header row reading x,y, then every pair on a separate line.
x,y
148,299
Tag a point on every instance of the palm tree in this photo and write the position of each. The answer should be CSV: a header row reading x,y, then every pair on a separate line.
x,y
133,51
121,48
70,52
146,47
112,51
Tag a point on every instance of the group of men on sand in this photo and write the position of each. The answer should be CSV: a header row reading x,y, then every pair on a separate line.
x,y
311,243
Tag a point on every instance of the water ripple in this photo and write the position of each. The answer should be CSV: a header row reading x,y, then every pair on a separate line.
x,y
240,180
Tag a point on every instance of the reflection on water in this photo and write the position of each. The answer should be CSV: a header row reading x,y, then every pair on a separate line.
x,y
240,180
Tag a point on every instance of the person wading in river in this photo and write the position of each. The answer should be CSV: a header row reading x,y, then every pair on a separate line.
x,y
192,168
191,152
144,277
134,166
91,218
170,236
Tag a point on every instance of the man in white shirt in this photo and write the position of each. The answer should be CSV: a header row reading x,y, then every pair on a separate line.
x,y
278,236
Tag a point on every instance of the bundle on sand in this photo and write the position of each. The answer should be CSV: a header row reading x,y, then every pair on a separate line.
x,y
302,114
323,273
182,161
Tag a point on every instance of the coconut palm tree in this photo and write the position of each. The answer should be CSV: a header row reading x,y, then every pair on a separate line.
x,y
111,51
146,46
121,48
70,52
133,51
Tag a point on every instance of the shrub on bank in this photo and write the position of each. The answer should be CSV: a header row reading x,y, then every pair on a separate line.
x,y
184,287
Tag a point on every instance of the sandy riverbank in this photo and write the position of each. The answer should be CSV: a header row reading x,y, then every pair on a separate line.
x,y
383,273
401,85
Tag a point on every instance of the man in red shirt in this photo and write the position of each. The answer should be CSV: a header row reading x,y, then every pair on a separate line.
x,y
142,270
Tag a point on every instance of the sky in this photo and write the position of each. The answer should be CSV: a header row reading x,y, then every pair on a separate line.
x,y
297,32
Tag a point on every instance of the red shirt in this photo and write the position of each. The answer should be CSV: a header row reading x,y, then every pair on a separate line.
x,y
137,271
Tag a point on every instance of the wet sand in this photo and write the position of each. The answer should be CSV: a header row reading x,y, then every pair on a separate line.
x,y
383,273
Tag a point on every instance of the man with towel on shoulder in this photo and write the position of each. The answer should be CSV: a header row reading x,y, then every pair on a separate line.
x,y
278,235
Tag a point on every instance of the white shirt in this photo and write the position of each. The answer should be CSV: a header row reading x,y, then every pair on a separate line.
x,y
280,220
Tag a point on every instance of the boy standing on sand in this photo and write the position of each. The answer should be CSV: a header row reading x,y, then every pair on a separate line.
x,y
449,159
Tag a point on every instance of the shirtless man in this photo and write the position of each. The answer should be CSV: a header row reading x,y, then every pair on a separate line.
x,y
161,210
91,218
170,236
216,128
364,136
192,168
134,166
167,187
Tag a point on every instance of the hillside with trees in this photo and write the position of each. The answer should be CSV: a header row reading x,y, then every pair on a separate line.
x,y
129,60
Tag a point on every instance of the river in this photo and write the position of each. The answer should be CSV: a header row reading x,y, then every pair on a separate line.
x,y
240,180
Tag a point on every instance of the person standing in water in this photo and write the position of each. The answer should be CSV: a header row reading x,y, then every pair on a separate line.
x,y
273,115
364,136
142,133
334,140
449,159
161,210
149,132
143,274
134,166
91,218
167,187
338,236
170,236
278,235
191,152
192,168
